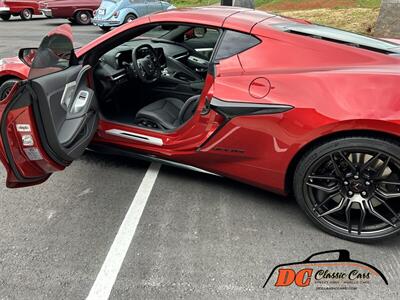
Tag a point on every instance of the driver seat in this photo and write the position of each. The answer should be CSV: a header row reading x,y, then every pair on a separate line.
x,y
167,113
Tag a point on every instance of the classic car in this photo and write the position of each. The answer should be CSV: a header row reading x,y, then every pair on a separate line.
x,y
113,13
76,11
282,104
23,8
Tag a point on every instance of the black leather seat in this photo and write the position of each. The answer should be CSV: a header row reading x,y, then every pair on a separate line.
x,y
168,113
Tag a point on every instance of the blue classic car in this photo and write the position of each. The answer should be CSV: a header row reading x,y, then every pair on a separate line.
x,y
113,13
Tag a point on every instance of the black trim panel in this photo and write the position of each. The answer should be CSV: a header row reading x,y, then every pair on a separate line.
x,y
230,109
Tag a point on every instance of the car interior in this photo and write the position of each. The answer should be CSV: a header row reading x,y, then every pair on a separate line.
x,y
155,80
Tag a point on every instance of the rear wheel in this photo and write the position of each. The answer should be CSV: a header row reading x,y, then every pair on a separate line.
x,y
6,87
5,17
26,14
105,28
129,18
350,187
83,17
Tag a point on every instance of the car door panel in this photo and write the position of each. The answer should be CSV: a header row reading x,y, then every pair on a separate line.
x,y
50,119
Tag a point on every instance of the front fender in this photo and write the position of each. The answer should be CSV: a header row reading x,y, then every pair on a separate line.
x,y
13,67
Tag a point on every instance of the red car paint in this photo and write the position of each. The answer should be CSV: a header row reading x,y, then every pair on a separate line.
x,y
334,89
67,8
17,6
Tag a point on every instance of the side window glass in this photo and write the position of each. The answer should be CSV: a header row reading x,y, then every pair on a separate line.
x,y
53,55
234,42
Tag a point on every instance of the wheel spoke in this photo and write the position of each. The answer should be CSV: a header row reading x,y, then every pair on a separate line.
x,y
370,161
387,195
363,213
346,159
340,206
324,188
382,201
382,169
378,215
318,206
348,216
322,177
389,182
336,167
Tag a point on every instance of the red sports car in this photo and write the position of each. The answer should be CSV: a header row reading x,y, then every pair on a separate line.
x,y
281,104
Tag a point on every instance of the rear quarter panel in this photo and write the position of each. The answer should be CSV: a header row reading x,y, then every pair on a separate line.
x,y
333,88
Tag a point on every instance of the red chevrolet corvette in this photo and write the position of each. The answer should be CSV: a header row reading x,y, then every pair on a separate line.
x,y
281,104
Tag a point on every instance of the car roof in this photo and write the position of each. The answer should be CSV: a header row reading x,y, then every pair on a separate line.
x,y
236,18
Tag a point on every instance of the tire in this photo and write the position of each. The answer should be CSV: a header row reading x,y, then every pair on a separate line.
x,y
105,28
83,17
349,187
6,87
5,17
26,14
129,18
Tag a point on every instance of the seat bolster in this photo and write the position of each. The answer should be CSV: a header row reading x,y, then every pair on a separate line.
x,y
164,112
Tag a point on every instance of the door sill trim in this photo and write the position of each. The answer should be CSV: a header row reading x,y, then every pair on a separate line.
x,y
136,137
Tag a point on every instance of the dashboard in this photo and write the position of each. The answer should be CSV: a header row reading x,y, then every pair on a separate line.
x,y
179,65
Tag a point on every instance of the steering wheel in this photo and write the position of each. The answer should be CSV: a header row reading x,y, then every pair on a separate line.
x,y
147,68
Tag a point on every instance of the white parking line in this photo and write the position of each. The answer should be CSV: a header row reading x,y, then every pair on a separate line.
x,y
105,280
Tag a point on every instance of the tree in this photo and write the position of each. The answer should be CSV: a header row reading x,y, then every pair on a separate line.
x,y
241,3
388,24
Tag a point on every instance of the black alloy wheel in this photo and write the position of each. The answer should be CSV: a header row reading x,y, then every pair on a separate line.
x,y
350,187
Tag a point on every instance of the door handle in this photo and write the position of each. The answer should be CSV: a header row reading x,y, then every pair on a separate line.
x,y
80,102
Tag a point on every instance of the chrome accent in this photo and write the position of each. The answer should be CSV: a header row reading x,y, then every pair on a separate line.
x,y
68,93
136,137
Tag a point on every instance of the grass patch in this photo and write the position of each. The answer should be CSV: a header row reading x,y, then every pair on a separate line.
x,y
353,15
360,20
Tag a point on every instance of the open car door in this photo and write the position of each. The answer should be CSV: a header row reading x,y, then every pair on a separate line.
x,y
48,120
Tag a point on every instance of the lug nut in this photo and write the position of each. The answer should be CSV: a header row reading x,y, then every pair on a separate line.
x,y
346,183
363,193
350,194
356,177
367,183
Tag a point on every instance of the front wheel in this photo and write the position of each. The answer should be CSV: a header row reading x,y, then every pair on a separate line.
x,y
83,18
6,87
350,187
26,14
5,17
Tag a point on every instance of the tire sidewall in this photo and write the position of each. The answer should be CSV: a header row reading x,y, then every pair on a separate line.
x,y
131,17
314,154
28,16
78,17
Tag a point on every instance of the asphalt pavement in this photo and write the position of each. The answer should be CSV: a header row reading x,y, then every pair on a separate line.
x,y
199,236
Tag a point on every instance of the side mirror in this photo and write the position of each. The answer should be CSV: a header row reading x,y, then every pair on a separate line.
x,y
199,32
27,55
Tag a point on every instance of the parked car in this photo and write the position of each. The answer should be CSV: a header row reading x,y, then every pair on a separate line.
x,y
23,8
76,11
113,13
282,104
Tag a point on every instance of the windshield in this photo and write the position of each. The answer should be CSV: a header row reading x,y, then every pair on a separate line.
x,y
341,36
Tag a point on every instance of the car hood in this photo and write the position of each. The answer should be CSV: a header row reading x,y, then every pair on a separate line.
x,y
10,60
